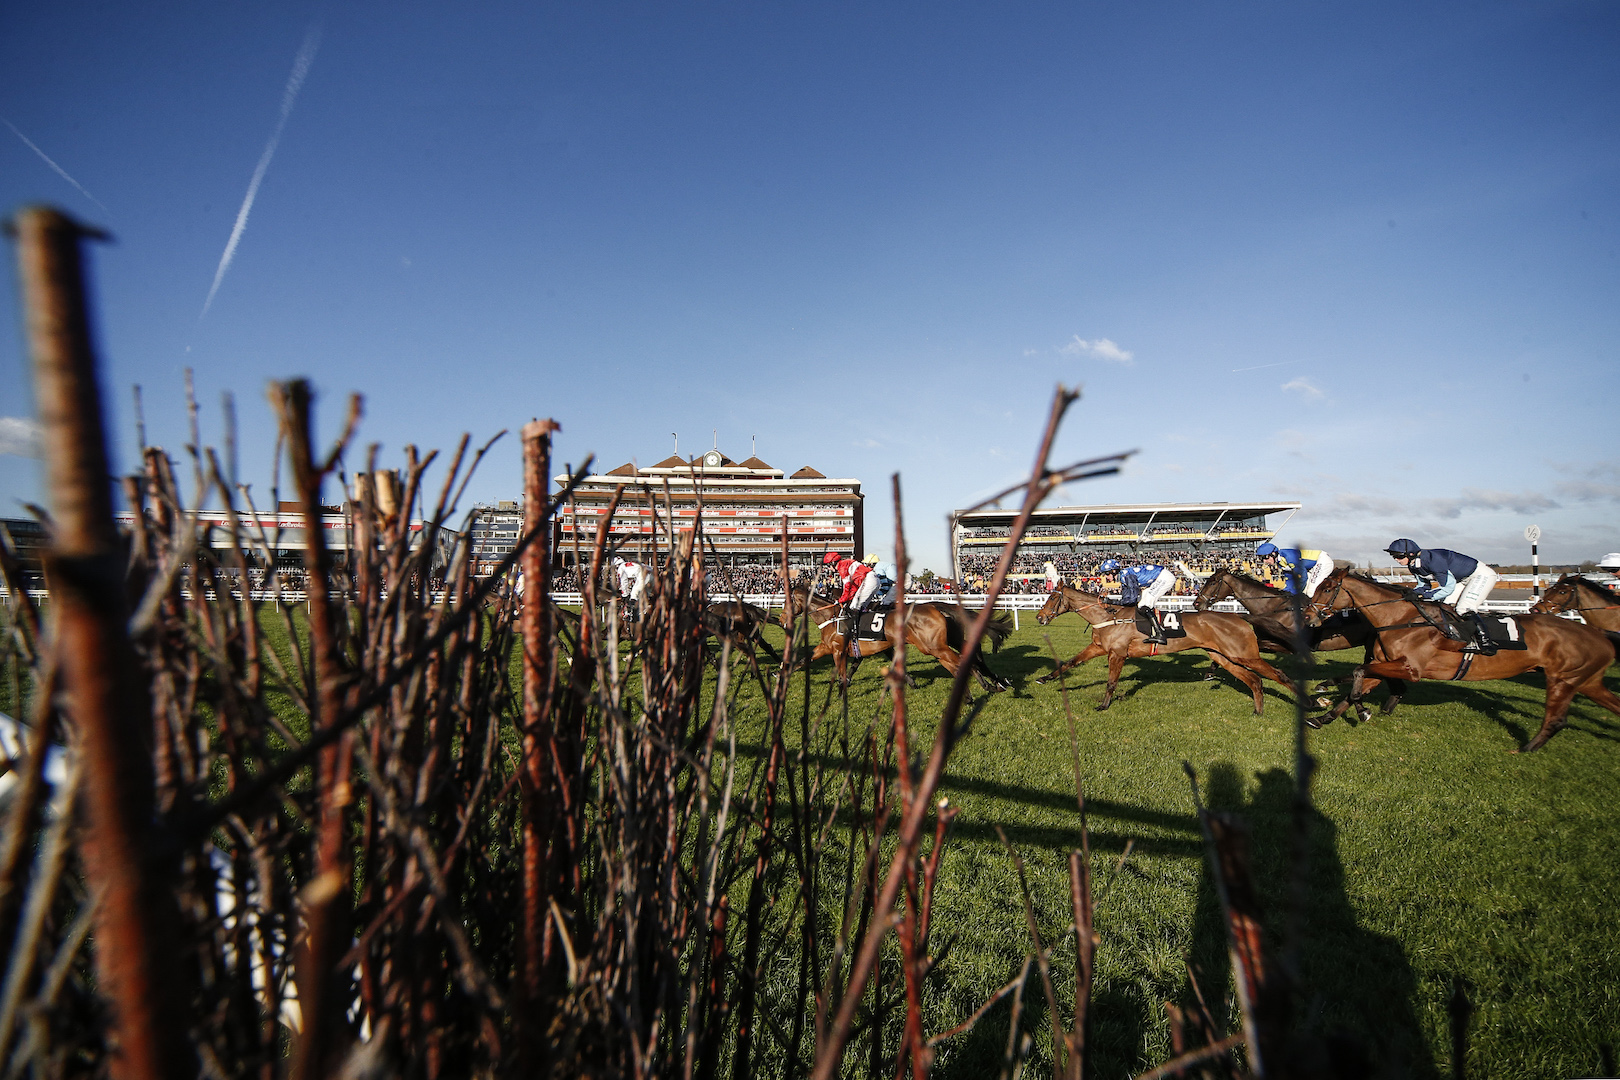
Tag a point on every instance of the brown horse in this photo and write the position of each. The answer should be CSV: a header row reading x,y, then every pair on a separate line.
x,y
739,623
935,629
1229,640
1411,646
1271,613
1597,605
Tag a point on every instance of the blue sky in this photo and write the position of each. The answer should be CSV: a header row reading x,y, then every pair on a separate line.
x,y
1361,256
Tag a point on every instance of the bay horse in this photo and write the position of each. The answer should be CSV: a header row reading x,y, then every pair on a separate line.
x,y
1410,646
933,628
1229,639
739,623
1597,605
1271,613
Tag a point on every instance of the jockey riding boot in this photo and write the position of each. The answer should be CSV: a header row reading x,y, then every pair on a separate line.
x,y
1482,640
1155,631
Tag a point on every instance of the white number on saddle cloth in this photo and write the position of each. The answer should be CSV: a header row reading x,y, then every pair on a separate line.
x,y
877,622
1171,620
1512,628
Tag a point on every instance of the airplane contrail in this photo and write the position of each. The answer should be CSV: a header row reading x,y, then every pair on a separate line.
x,y
46,158
295,83
1257,367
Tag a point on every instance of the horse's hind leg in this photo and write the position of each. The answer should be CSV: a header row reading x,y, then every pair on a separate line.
x,y
1594,690
1559,695
1246,677
1397,690
1266,669
1116,664
1091,652
987,678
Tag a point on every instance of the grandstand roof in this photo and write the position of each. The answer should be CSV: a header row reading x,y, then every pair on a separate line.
x,y
712,467
1132,513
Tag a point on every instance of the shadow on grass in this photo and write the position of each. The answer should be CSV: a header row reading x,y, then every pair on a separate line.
x,y
1357,993
1184,668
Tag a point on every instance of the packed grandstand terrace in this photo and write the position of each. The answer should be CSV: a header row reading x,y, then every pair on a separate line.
x,y
1028,574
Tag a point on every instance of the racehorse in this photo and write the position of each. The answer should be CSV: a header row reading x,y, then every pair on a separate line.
x,y
1411,646
1597,605
935,629
1271,613
1229,639
739,623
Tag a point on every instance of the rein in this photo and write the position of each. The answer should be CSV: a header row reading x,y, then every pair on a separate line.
x,y
1321,609
1080,610
1575,595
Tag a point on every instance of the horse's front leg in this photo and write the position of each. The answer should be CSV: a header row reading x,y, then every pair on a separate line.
x,y
1090,652
1116,664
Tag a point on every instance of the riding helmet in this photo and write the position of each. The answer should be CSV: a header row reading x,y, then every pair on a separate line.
x,y
1403,546
830,558
1267,548
1108,566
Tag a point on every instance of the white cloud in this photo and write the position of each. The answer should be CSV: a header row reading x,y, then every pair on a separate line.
x,y
1031,352
1101,349
19,435
1595,481
1349,506
1303,386
1589,491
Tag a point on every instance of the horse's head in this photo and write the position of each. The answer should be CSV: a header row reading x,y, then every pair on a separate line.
x,y
798,593
1564,595
1216,587
1056,604
1330,596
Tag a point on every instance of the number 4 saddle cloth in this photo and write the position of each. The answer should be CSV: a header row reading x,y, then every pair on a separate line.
x,y
873,625
1169,620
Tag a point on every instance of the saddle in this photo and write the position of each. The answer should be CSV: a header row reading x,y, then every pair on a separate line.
x,y
872,624
1503,630
1169,621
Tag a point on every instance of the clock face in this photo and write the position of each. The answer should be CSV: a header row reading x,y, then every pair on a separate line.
x,y
711,459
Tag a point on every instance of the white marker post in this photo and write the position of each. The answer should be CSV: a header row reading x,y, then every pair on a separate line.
x,y
1533,534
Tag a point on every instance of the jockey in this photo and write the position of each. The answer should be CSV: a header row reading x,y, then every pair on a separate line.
x,y
1449,577
859,585
858,580
1309,564
1143,585
887,574
632,578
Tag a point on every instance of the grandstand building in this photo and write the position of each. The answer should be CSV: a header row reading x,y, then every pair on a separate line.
x,y
1200,534
746,506
495,531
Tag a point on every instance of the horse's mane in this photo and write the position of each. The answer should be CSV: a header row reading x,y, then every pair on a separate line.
x,y
825,598
1581,581
1272,589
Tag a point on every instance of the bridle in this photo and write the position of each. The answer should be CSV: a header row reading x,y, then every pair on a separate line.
x,y
1320,609
1574,602
1071,605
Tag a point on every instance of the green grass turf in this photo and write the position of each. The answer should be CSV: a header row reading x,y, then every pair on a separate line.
x,y
1435,855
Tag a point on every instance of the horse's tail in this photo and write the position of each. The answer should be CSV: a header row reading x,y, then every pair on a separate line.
x,y
998,631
